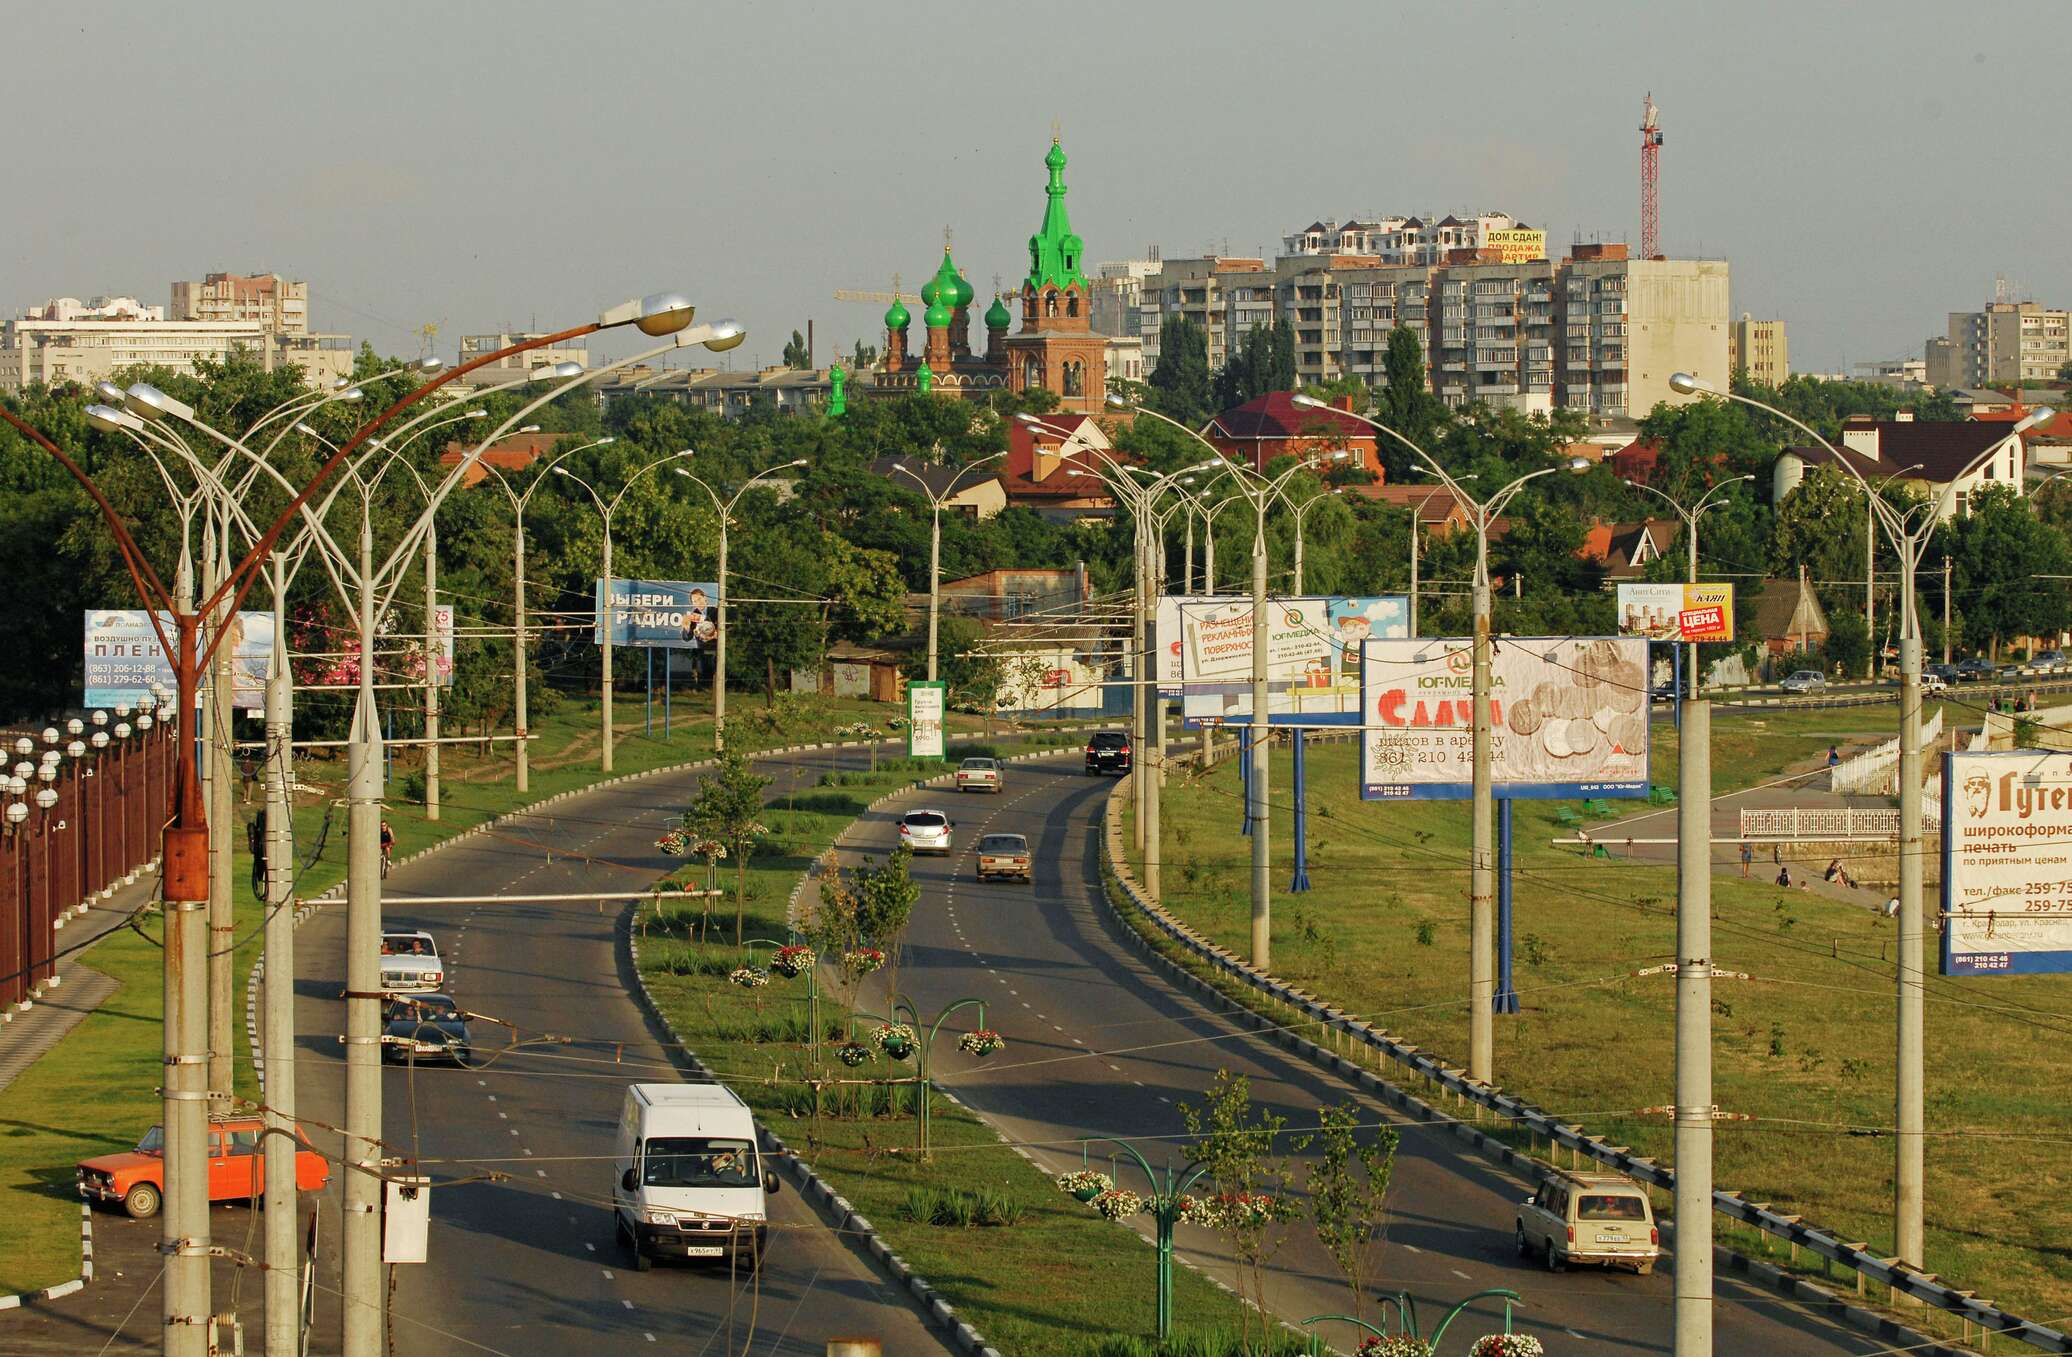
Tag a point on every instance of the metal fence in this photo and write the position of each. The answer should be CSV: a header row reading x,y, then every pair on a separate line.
x,y
99,828
1874,770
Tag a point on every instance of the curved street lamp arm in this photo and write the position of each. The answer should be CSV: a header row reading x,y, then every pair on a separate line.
x,y
743,488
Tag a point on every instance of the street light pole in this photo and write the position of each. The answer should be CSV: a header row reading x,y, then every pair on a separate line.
x,y
935,503
724,509
1908,539
283,1274
1301,513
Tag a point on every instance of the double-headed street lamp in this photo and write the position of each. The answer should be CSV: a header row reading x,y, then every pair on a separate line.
x,y
1301,513
935,503
1690,519
724,509
1908,531
1481,888
607,611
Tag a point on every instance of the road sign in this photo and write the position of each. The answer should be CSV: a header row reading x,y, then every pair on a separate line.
x,y
1569,714
2007,863
1312,657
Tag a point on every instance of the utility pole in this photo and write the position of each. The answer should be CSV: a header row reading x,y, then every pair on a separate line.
x,y
216,759
434,651
1414,515
1262,849
934,578
1870,588
362,1293
184,1235
520,654
609,615
283,1271
1946,610
1694,1111
1481,876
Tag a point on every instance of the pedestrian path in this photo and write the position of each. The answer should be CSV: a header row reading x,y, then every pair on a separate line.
x,y
30,1032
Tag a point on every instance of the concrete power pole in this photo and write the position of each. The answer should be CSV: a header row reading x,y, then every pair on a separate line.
x,y
283,1270
1262,859
433,653
1694,1112
220,736
1481,874
363,1297
184,1235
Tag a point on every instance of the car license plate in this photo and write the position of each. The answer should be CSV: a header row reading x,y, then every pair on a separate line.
x,y
704,1251
1611,1239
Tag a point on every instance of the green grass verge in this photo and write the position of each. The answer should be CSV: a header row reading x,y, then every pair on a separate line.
x,y
1803,1047
1042,1287
93,1092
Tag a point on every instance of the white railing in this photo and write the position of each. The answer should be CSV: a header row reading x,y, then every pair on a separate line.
x,y
1813,823
1873,770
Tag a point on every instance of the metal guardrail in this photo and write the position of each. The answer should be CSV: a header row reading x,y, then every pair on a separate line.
x,y
1826,1244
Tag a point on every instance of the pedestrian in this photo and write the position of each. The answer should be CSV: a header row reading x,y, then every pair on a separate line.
x,y
1747,856
1892,908
255,838
1777,855
1834,756
1784,876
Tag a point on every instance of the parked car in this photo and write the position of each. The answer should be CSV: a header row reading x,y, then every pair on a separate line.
x,y
1805,681
1665,692
926,831
1977,669
1946,672
1107,751
237,1168
1933,683
979,775
425,1027
688,1181
410,961
1601,1218
1004,855
2048,662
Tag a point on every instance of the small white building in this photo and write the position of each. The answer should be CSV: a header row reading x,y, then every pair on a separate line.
x,y
1929,456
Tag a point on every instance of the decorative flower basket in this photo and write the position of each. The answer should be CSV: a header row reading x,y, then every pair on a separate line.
x,y
1507,1345
794,961
895,1039
674,843
712,850
1196,1211
982,1043
1118,1203
1085,1184
853,1053
1395,1345
1247,1210
863,960
749,977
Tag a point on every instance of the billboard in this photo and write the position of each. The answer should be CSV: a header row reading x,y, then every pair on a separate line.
x,y
1047,679
123,657
1518,245
2007,863
1677,612
664,614
1165,636
927,704
1312,657
1569,718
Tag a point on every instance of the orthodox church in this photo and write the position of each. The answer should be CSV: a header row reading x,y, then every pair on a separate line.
x,y
1055,349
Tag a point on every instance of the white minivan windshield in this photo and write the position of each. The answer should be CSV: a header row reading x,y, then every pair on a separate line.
x,y
697,1161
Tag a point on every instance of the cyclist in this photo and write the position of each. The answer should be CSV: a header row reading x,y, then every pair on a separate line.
x,y
388,846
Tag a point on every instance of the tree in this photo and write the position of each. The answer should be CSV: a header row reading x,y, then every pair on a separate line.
x,y
1403,404
1998,550
864,356
1264,362
796,354
1236,1142
1180,384
1348,1186
728,810
885,900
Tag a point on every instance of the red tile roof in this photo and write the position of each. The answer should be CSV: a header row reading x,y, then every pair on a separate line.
x,y
1068,480
1276,415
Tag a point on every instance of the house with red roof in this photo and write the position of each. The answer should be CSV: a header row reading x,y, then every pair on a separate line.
x,y
511,453
1273,425
1931,456
1054,466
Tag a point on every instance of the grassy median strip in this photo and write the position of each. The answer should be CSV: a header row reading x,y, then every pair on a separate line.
x,y
1046,1285
1802,1048
95,1092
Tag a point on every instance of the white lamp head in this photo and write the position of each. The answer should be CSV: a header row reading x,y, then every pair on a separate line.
x,y
122,729
46,797
76,749
110,393
1686,384
1306,402
17,812
1115,401
608,440
25,745
47,773
147,402
662,313
50,735
76,726
111,418
728,334
2042,414
144,720
25,769
100,739
100,717
1578,466
429,364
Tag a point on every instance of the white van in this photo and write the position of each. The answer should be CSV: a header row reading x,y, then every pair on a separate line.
x,y
689,1180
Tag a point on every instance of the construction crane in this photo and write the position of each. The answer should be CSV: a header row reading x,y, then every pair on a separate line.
x,y
848,294
1650,169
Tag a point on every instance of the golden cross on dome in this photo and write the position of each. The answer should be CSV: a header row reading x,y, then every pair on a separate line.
x,y
945,240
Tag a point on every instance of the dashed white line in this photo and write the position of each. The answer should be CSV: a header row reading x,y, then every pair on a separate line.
x,y
1458,1273
588,1245
1413,1248
607,1274
627,1303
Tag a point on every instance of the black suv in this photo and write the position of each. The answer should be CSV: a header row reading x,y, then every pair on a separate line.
x,y
1108,752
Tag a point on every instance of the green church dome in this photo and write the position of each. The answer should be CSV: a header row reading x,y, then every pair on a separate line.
x,y
997,317
950,286
939,315
896,316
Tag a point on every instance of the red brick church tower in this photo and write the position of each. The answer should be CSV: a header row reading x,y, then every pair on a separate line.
x,y
1056,349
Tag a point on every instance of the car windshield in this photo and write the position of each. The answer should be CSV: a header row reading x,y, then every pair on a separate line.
x,y
925,819
431,1008
405,944
153,1141
1003,843
978,765
1610,1206
697,1161
1806,674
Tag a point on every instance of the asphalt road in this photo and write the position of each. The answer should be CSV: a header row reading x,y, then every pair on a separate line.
x,y
532,1264
1099,1044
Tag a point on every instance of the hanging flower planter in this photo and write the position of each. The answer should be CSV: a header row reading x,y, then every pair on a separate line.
x,y
1195,1211
1118,1203
982,1042
853,1053
1395,1345
895,1039
794,961
1247,1210
749,977
712,850
1507,1345
674,843
863,960
1085,1184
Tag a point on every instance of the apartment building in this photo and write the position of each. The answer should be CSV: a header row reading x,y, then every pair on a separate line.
x,y
567,351
1758,348
56,343
1421,240
2005,344
273,303
1116,292
1596,332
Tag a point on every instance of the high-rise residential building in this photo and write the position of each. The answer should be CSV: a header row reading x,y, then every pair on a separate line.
x,y
1757,347
1499,236
2005,344
567,351
1596,331
1118,293
275,304
62,341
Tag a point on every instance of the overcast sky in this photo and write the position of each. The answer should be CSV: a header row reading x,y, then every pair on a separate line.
x,y
1866,167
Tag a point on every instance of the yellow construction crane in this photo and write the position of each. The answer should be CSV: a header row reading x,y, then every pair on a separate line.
x,y
428,336
845,294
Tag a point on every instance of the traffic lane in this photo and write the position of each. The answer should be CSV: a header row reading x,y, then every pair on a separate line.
x,y
538,1252
1090,999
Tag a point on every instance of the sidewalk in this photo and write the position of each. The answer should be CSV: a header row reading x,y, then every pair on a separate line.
x,y
78,989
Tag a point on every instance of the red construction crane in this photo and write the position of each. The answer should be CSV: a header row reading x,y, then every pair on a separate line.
x,y
1650,169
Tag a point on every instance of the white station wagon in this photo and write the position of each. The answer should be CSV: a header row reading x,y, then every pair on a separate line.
x,y
410,963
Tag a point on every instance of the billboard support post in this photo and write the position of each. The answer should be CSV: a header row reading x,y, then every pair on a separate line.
x,y
1244,777
1506,992
1299,773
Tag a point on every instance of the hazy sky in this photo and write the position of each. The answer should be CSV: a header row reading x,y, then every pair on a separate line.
x,y
1865,167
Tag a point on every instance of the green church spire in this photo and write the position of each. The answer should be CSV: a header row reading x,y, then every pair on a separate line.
x,y
1054,252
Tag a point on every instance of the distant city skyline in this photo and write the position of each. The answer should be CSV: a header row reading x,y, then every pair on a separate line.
x,y
522,165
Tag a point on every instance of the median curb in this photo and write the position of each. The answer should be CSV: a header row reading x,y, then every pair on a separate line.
x,y
1117,870
24,1299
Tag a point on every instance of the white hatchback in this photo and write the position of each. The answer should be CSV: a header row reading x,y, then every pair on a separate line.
x,y
926,831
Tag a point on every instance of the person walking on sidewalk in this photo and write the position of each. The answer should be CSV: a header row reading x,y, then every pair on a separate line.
x,y
1747,856
255,838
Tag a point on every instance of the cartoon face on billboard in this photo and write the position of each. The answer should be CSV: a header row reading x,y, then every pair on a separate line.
x,y
1978,794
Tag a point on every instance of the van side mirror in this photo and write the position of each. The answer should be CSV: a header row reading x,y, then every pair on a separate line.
x,y
771,1182
626,1181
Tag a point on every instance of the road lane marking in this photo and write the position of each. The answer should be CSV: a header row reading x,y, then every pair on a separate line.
x,y
607,1274
1413,1248
588,1245
627,1303
1458,1273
